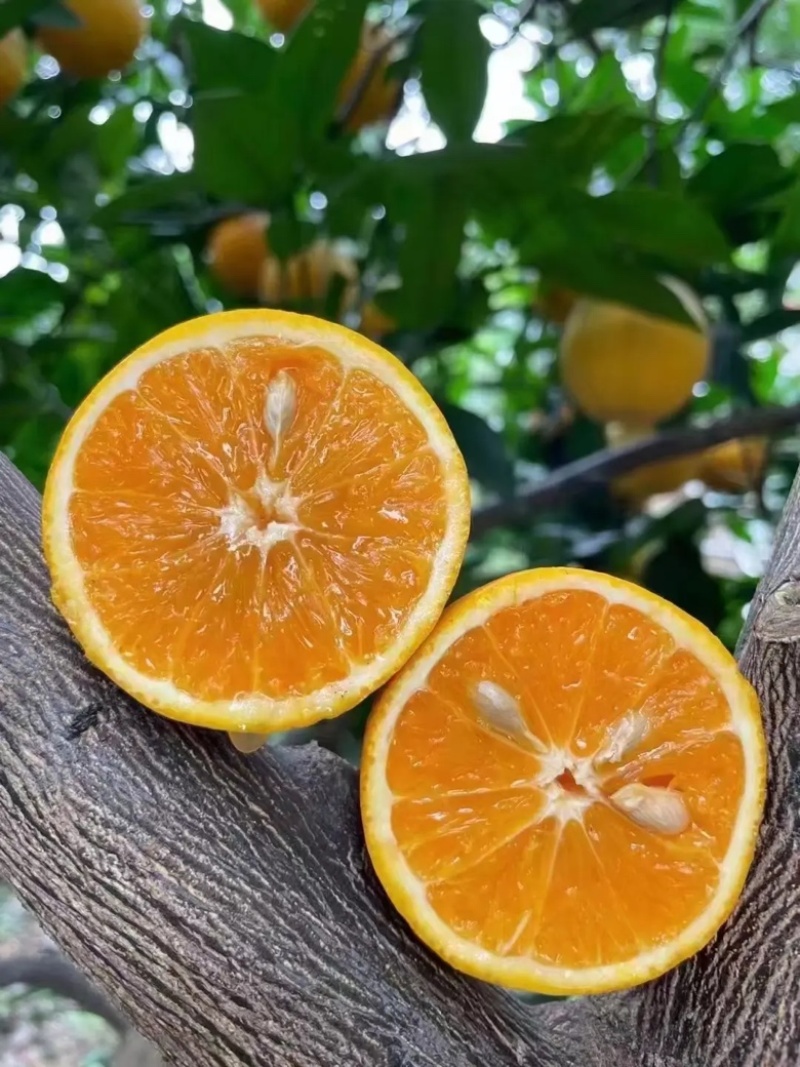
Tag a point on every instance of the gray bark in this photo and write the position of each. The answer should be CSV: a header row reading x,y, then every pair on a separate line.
x,y
227,906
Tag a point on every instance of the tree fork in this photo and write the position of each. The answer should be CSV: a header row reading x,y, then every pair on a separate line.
x,y
227,906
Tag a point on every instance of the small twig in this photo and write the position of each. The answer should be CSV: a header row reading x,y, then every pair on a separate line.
x,y
658,72
750,18
573,478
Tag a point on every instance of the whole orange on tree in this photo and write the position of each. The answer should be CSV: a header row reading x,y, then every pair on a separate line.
x,y
105,40
236,250
306,278
13,64
369,93
284,14
622,364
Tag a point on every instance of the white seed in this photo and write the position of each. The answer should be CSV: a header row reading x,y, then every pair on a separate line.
x,y
623,736
652,807
247,743
280,405
498,708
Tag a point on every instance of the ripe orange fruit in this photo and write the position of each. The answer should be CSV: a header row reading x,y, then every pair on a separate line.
x,y
622,364
307,277
665,476
561,790
236,249
736,465
106,40
254,519
13,64
284,14
379,96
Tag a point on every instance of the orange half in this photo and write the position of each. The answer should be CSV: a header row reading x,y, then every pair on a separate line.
x,y
562,789
254,520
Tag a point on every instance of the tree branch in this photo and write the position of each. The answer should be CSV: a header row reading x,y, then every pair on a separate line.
x,y
749,19
226,904
568,481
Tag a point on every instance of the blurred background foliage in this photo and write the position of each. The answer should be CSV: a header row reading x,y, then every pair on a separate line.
x,y
454,177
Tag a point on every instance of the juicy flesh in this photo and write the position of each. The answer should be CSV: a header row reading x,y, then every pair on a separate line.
x,y
512,832
255,519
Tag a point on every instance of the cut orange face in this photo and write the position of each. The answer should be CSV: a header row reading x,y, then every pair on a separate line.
x,y
561,791
254,520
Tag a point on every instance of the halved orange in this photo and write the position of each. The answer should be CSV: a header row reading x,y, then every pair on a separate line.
x,y
254,520
561,790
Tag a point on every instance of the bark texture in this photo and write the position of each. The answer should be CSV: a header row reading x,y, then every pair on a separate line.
x,y
226,904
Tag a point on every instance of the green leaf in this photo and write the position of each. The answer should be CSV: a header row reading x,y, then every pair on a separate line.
x,y
565,149
786,239
483,448
606,85
602,273
43,12
676,572
306,80
623,14
24,294
288,234
664,224
223,59
239,152
454,58
433,216
152,201
740,176
116,140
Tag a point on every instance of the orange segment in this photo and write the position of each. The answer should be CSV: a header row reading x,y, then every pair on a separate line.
x,y
254,520
561,790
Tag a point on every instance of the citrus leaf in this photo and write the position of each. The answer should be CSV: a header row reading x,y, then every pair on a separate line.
x,y
153,200
309,72
239,153
621,14
41,12
453,59
664,224
740,176
433,216
483,449
223,59
25,294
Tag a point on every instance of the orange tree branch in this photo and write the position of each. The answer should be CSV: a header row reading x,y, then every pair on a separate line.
x,y
573,478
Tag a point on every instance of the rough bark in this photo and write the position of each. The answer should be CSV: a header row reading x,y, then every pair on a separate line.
x,y
227,906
